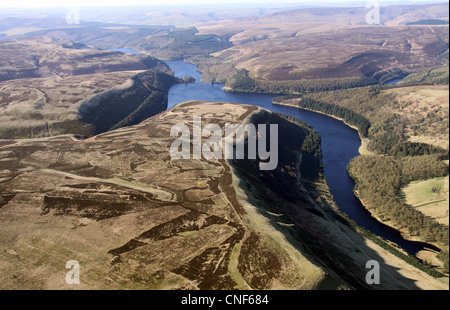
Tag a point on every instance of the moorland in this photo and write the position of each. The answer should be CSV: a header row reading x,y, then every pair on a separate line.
x,y
84,149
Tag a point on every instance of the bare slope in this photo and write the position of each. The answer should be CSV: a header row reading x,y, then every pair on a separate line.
x,y
136,219
51,85
339,16
350,52
50,56
163,43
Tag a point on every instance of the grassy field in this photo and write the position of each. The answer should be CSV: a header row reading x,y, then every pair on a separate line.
x,y
430,197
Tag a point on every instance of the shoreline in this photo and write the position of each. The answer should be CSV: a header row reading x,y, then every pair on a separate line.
x,y
425,281
365,152
391,224
362,149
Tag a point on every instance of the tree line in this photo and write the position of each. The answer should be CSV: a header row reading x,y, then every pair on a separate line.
x,y
241,81
378,183
350,117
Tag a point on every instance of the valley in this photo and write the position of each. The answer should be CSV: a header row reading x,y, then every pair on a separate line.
x,y
407,130
86,172
48,92
101,191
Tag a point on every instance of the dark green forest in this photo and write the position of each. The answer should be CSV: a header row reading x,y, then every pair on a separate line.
x,y
378,183
347,115
396,160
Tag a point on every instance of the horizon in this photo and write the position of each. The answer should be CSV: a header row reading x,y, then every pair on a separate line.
x,y
49,4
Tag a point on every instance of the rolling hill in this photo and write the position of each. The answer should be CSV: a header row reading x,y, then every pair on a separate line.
x,y
49,83
134,218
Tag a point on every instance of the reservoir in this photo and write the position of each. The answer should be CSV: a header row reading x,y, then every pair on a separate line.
x,y
394,81
125,50
340,144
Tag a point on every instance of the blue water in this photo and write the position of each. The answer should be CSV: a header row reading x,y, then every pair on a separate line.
x,y
394,81
340,144
126,50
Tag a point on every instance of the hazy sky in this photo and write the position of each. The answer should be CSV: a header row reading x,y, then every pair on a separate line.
x,y
83,3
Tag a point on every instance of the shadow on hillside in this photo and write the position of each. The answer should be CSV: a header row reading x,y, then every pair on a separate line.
x,y
320,233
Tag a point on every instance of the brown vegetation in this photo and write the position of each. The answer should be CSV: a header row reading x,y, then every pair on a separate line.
x,y
67,79
340,53
50,56
134,218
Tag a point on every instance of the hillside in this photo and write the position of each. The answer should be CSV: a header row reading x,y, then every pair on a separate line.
x,y
329,54
162,42
309,44
86,172
51,83
389,15
405,139
136,219
50,56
